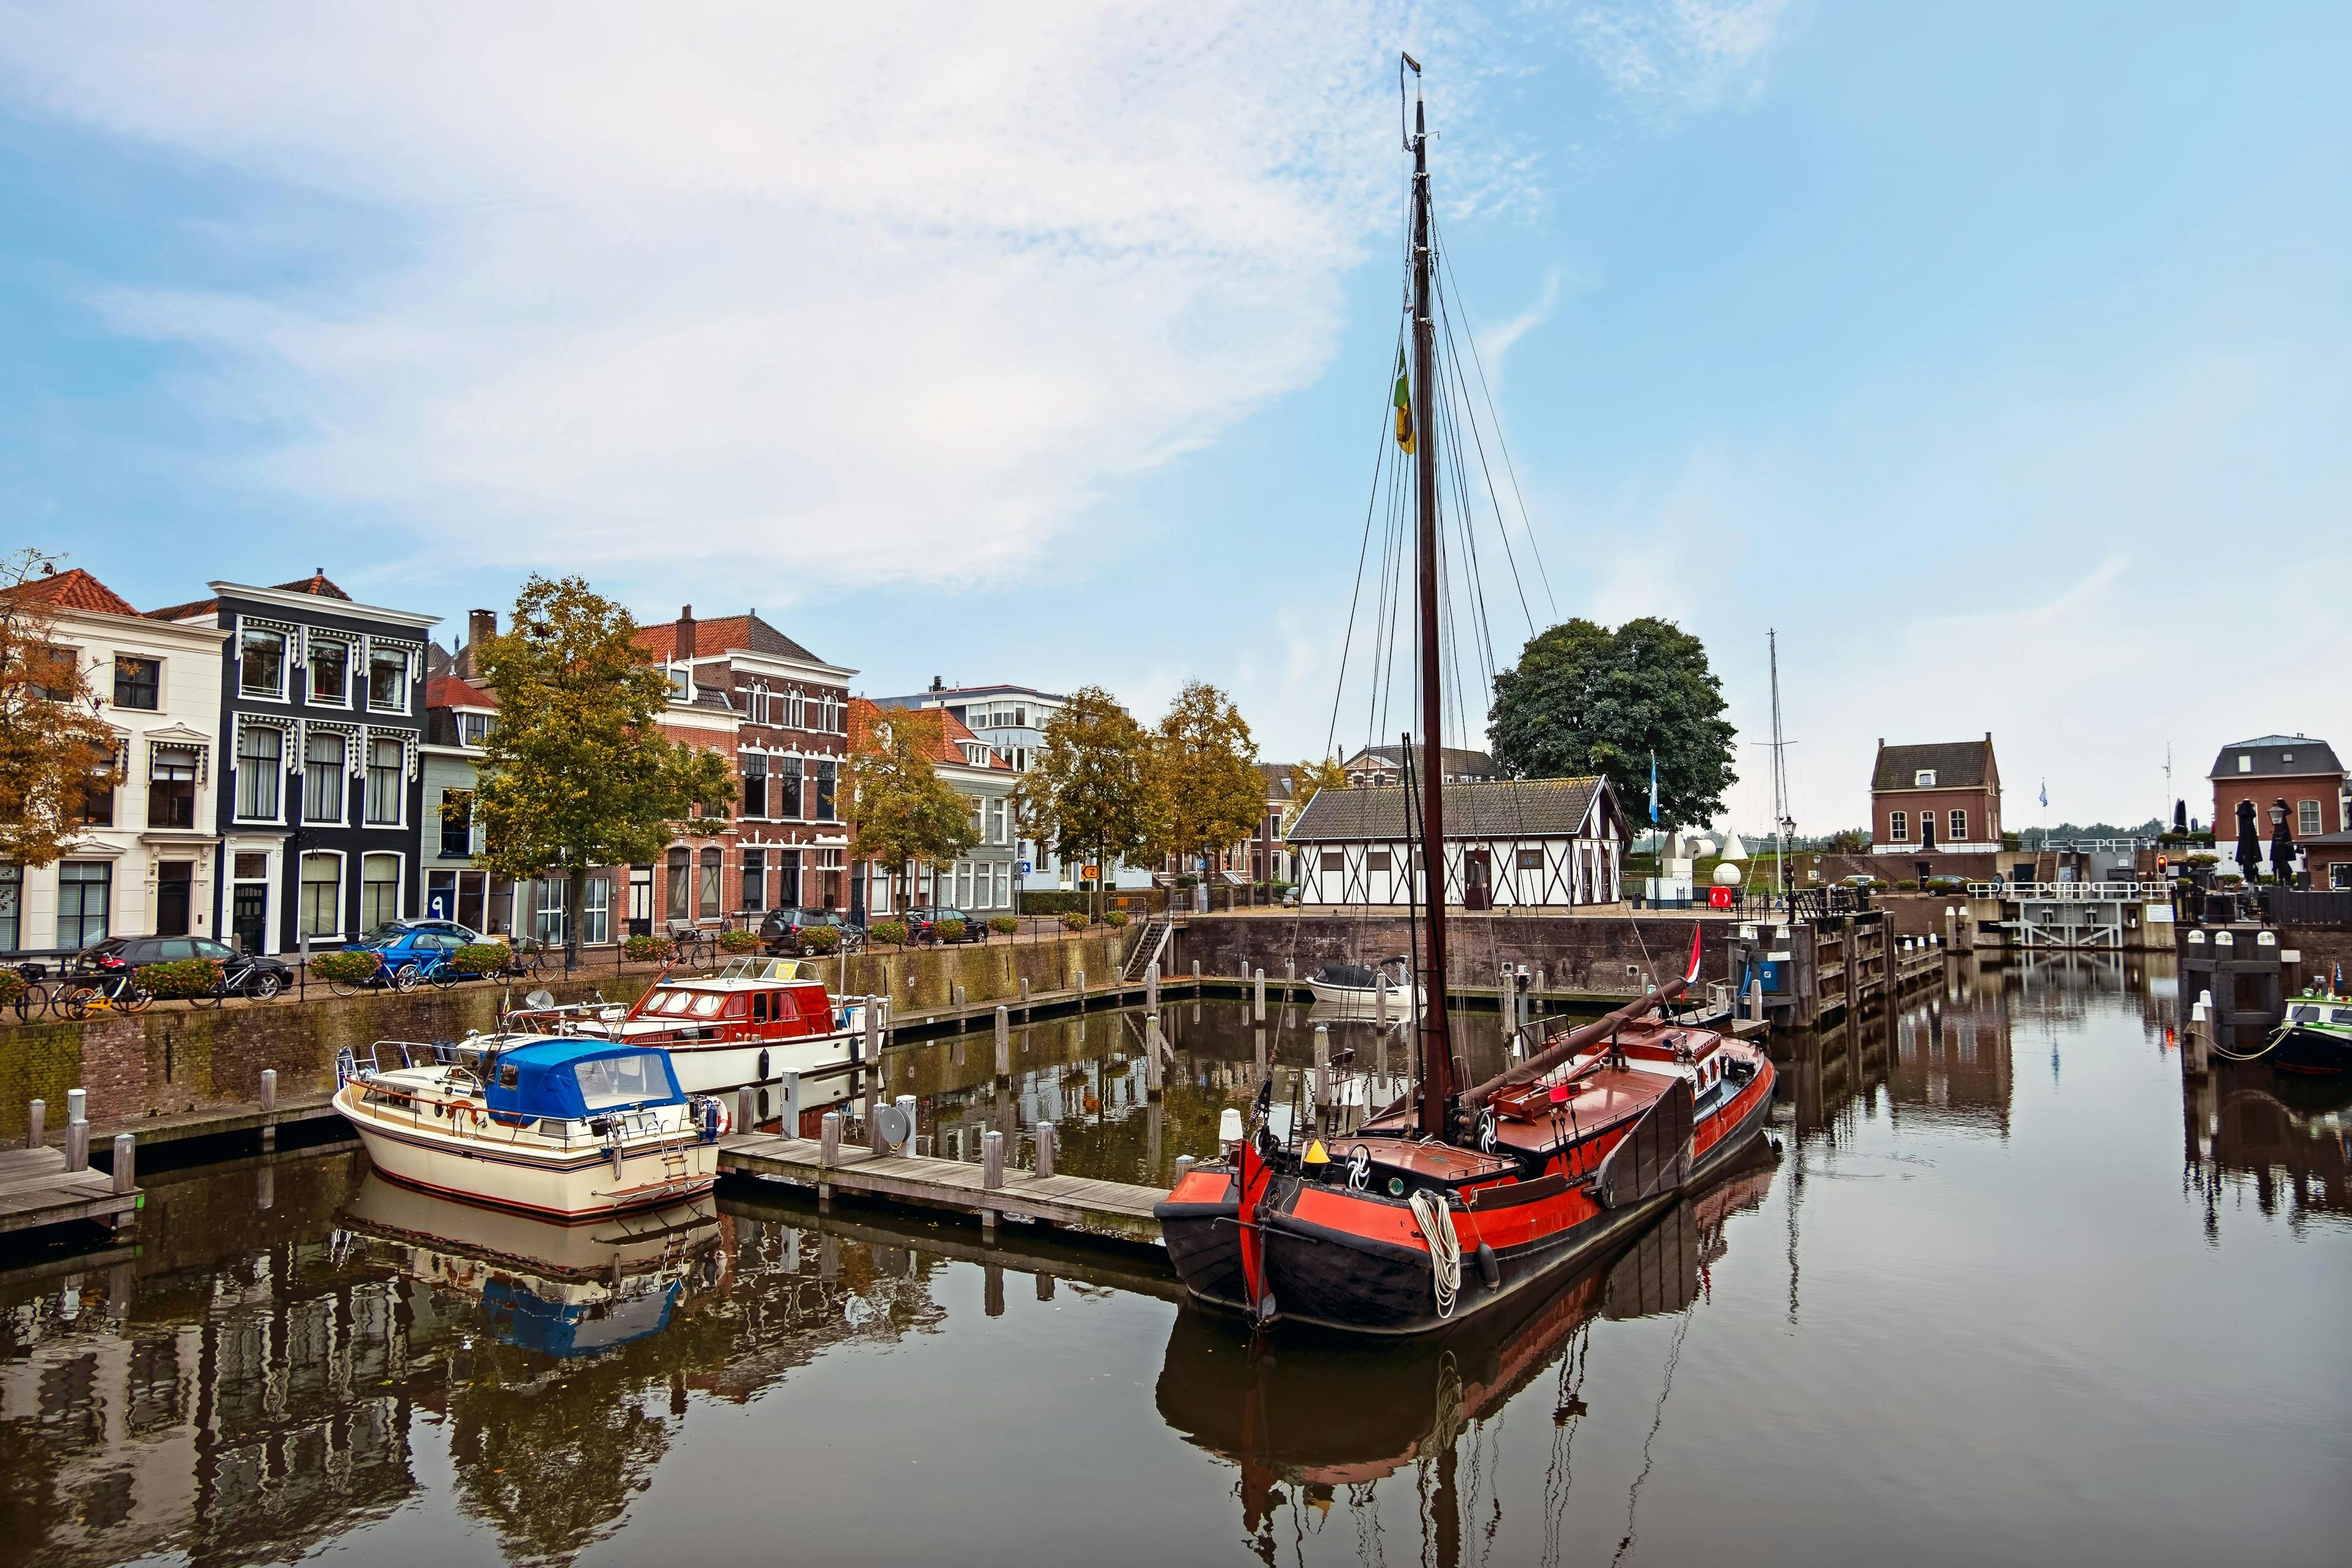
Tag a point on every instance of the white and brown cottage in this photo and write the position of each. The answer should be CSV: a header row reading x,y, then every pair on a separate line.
x,y
1522,843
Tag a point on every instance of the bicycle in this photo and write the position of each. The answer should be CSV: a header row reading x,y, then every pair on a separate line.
x,y
694,949
34,999
122,992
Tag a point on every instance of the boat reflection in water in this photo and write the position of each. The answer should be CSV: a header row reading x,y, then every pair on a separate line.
x,y
1311,1421
2253,1129
557,1289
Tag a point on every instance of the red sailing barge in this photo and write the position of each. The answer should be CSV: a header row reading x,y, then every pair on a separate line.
x,y
1450,1203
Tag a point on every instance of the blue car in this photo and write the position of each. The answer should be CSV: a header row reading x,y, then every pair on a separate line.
x,y
412,950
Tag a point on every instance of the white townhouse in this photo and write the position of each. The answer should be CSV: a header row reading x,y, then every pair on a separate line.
x,y
143,865
1514,843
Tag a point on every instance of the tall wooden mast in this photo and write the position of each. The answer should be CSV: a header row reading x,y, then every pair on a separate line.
x,y
1435,1111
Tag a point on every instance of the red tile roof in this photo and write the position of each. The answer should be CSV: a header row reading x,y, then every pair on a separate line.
x,y
448,691
73,589
716,635
953,732
186,612
316,583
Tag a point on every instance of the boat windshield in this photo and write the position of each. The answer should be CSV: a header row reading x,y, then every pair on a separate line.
x,y
622,1081
2306,1015
667,1000
707,1005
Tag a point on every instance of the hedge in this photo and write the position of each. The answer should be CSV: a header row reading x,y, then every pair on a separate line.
x,y
738,942
481,958
649,949
948,931
1054,901
891,931
819,938
1116,919
181,979
1074,922
1004,925
351,968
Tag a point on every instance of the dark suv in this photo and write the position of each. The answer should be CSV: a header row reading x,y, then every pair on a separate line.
x,y
244,974
780,931
923,923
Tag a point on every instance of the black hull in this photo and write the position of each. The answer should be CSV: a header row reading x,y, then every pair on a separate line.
x,y
2298,1049
1205,1246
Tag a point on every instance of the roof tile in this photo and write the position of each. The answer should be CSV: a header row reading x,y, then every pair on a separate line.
x,y
73,589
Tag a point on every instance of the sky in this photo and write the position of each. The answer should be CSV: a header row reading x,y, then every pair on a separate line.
x,y
1993,354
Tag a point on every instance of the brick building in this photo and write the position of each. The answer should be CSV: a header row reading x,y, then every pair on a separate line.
x,y
1944,795
2303,771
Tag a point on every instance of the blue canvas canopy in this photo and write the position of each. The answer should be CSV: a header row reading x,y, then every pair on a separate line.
x,y
573,1079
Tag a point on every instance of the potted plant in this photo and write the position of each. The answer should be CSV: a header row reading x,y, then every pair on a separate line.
x,y
738,942
892,932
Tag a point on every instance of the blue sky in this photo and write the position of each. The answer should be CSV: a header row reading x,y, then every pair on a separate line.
x,y
1995,353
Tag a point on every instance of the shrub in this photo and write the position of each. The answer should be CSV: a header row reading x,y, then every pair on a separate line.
x,y
1116,919
180,979
819,938
1073,921
2200,859
350,968
1907,887
649,949
1004,925
481,958
12,985
892,932
738,942
948,931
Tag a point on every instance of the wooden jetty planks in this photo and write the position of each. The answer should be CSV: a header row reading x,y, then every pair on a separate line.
x,y
1076,1202
36,1190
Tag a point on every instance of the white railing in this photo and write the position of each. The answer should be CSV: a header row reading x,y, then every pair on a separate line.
x,y
2075,892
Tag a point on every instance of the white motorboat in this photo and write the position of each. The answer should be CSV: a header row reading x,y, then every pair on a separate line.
x,y
1360,992
565,1128
752,1022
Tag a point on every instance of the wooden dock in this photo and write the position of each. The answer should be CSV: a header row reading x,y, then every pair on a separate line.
x,y
1116,1209
37,1190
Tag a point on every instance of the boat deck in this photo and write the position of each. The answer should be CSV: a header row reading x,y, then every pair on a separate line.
x,y
37,1190
1117,1209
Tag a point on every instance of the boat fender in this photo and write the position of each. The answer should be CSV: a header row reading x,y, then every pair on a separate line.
x,y
1490,1267
763,1067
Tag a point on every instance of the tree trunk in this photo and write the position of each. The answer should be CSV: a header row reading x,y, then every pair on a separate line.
x,y
575,904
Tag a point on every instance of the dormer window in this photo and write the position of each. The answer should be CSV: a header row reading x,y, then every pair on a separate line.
x,y
1923,779
2245,761
681,685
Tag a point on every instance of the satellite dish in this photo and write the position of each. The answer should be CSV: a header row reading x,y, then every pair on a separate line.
x,y
895,1125
539,999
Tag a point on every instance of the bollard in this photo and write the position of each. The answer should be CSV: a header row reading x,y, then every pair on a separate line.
x,y
2194,1043
1196,977
126,1161
77,1106
269,1091
1259,993
829,1140
1082,990
77,1145
1322,1066
872,1057
36,1124
991,1159
788,1104
1151,1082
906,1104
959,997
747,1107
1260,1035
1025,998
1045,1147
1184,1163
1003,1034
1756,998
1151,986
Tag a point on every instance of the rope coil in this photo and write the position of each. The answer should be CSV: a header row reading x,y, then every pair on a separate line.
x,y
1444,1248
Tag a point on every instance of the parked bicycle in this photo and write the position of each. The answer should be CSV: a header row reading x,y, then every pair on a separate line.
x,y
38,995
98,995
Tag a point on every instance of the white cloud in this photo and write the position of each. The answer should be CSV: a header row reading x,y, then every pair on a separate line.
x,y
879,300
1681,55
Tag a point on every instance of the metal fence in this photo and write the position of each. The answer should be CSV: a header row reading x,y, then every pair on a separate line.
x,y
2307,906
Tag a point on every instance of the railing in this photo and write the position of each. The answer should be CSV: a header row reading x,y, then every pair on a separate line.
x,y
2075,892
2307,906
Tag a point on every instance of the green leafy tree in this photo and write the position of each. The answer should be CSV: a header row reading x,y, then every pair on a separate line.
x,y
55,752
900,811
1210,788
1584,699
1307,780
575,772
1091,791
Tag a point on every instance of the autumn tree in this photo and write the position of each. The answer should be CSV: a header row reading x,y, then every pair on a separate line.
x,y
901,813
1307,780
1090,792
575,772
56,751
1211,792
1584,699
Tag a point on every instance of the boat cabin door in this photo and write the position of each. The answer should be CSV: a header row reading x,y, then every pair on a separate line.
x,y
1477,879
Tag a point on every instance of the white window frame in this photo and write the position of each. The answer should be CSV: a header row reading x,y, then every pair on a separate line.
x,y
343,789
237,767
368,741
407,653
289,647
351,643
2309,818
301,896
1958,821
1924,778
399,884
1898,828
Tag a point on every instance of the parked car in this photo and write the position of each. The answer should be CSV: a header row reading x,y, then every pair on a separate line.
x,y
250,974
923,923
413,948
780,931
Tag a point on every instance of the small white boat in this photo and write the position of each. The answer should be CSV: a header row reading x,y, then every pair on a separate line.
x,y
1357,992
567,1129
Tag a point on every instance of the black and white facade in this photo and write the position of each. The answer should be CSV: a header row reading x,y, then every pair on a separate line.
x,y
1517,843
322,716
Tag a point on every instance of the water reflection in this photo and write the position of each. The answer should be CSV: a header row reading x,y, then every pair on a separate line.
x,y
2254,1133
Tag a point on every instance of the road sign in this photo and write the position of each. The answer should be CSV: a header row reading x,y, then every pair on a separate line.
x,y
1091,873
1024,868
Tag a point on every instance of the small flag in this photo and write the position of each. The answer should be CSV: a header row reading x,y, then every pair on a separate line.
x,y
1654,789
1403,403
2045,792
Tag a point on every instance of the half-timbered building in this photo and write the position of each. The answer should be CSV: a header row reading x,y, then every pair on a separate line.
x,y
1512,843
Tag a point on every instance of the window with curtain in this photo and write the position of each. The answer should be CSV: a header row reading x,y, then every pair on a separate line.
x,y
379,890
321,906
85,900
171,787
260,766
677,902
384,780
323,779
387,681
707,885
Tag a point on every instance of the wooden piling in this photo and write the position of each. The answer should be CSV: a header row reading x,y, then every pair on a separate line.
x,y
1044,1138
1259,995
36,1124
747,1106
269,1108
126,1162
1322,1067
1151,1082
1151,986
77,1146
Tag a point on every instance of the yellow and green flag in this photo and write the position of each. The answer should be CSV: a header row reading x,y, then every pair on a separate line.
x,y
1403,404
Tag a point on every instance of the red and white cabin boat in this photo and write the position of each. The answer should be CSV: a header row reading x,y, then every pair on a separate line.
x,y
752,1022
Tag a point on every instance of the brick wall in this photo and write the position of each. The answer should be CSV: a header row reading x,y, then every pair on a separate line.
x,y
2229,790
1977,803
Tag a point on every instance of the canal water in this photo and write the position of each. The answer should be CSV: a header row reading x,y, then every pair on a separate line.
x,y
2002,1290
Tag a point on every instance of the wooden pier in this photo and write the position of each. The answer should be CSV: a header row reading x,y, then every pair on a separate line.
x,y
1116,1209
37,1191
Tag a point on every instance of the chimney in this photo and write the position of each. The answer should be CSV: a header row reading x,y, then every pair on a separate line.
x,y
480,626
686,633
937,685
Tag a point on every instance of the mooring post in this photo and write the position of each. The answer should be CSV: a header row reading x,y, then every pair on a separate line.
x,y
1151,986
268,1108
1003,1033
747,1106
1044,1138
2193,1043
1025,998
828,1140
1258,982
77,1145
1289,976
1196,979
958,993
36,1124
1184,1163
126,1161
1322,1067
1082,990
1151,1084
1754,998
77,1106
788,1107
